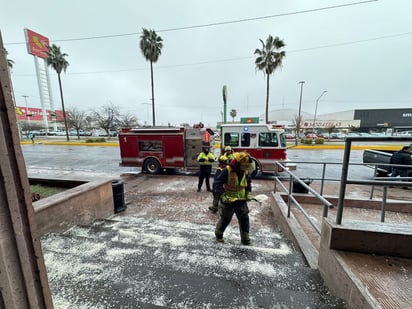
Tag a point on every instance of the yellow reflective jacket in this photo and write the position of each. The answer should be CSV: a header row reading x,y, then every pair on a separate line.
x,y
206,158
234,189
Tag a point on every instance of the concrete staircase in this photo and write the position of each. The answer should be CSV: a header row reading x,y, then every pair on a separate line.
x,y
135,262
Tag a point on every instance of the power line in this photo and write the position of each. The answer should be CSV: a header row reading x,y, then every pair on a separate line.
x,y
237,58
352,42
210,24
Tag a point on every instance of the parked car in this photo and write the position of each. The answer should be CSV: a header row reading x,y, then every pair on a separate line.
x,y
323,135
364,134
310,135
60,133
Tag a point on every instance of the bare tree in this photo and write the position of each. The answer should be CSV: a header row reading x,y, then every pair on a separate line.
x,y
77,120
331,129
127,121
88,120
297,121
107,117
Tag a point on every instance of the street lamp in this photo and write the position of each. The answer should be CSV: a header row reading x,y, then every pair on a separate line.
x,y
300,107
316,109
27,111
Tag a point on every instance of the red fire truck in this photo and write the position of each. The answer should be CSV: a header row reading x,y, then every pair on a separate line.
x,y
160,148
265,144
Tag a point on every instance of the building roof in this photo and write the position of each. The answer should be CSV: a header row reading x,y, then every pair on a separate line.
x,y
289,115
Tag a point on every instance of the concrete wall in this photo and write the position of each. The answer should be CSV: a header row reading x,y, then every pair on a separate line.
x,y
338,276
76,206
293,231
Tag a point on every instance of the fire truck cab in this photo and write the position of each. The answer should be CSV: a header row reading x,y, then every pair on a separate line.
x,y
155,149
265,143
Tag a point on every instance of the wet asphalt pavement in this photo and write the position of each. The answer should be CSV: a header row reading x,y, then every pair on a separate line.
x,y
103,160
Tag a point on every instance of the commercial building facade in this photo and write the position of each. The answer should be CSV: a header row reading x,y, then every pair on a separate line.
x,y
393,120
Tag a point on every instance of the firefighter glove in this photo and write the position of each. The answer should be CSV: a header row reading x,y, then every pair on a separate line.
x,y
211,160
202,160
249,196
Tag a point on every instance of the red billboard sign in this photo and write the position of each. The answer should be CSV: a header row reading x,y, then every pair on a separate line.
x,y
37,44
36,114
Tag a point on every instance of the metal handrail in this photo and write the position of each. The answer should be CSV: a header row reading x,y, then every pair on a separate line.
x,y
292,178
343,181
345,164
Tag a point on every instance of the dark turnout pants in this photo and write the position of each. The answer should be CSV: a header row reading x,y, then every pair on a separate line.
x,y
204,174
226,212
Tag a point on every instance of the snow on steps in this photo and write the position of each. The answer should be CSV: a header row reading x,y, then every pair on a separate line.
x,y
143,263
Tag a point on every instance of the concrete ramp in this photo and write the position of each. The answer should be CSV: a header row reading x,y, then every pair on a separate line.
x,y
135,262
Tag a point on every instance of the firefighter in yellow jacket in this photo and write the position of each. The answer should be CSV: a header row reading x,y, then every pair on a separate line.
x,y
228,154
205,158
235,186
216,196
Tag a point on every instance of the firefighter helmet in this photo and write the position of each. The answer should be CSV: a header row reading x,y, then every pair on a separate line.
x,y
228,148
242,157
244,161
223,159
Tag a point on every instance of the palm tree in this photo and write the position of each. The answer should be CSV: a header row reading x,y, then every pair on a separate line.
x,y
233,114
268,60
151,46
58,62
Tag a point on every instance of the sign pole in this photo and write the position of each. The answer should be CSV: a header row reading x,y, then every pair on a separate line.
x,y
224,103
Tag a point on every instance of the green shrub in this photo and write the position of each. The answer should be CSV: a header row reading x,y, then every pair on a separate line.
x,y
305,140
96,140
319,140
45,191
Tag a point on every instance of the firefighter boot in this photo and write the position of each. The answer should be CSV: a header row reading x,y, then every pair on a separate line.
x,y
219,236
245,239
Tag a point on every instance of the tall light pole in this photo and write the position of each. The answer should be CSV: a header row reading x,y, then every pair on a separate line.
x,y
316,109
299,120
147,110
27,111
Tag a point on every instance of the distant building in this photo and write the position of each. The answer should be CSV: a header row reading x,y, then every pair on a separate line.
x,y
390,120
339,121
395,119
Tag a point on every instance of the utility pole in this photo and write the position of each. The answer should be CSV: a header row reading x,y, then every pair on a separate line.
x,y
299,113
27,112
147,111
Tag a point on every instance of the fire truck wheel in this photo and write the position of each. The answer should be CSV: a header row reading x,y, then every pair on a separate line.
x,y
152,166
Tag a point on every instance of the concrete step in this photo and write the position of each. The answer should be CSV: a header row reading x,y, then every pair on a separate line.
x,y
139,263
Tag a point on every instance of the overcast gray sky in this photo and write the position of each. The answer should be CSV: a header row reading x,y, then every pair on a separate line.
x,y
360,54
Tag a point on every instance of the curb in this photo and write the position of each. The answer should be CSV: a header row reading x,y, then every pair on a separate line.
x,y
70,143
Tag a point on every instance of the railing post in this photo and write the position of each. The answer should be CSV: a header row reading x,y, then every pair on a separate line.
x,y
385,194
373,186
344,177
325,211
289,194
323,178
